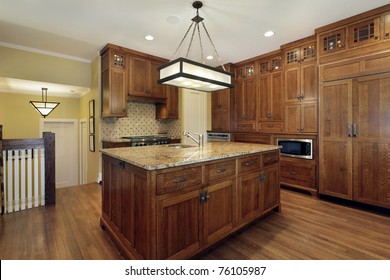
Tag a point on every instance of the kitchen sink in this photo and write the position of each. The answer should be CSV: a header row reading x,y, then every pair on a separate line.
x,y
181,146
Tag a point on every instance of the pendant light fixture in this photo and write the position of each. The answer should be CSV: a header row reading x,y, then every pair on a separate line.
x,y
44,107
186,73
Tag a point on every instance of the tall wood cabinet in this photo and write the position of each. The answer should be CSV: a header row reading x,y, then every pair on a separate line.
x,y
270,95
301,87
355,139
221,107
245,98
114,83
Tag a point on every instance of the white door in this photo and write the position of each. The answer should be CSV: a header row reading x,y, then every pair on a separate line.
x,y
194,113
66,137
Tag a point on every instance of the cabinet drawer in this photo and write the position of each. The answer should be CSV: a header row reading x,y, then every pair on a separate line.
x,y
270,126
300,175
248,164
178,180
270,158
246,126
220,170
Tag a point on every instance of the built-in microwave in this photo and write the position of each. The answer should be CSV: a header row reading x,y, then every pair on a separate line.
x,y
299,148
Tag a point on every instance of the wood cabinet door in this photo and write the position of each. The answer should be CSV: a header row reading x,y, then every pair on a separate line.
x,y
156,89
309,82
264,98
277,94
250,99
270,188
335,150
292,81
139,76
239,100
118,101
219,211
220,120
292,118
178,226
371,141
249,197
220,100
309,117
386,20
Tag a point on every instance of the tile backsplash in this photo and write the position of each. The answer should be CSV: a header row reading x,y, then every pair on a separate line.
x,y
141,120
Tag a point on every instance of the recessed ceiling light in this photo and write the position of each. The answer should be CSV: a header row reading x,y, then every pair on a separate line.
x,y
149,38
269,34
173,19
210,57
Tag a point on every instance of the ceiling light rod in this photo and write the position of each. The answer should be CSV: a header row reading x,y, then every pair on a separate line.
x,y
197,19
44,107
183,72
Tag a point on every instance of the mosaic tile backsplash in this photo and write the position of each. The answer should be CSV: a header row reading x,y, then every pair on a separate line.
x,y
141,120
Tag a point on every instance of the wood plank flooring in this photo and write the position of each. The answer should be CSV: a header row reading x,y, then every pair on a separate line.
x,y
307,228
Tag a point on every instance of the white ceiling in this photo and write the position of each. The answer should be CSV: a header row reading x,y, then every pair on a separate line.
x,y
78,29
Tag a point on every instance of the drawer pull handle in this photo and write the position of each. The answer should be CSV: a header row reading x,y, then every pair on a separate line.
x,y
221,170
248,163
180,180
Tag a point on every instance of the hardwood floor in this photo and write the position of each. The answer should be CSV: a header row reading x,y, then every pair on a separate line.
x,y
307,228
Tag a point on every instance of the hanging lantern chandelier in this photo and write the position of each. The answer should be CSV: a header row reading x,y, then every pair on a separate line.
x,y
186,73
44,107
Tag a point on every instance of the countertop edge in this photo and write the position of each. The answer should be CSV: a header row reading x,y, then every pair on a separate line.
x,y
189,162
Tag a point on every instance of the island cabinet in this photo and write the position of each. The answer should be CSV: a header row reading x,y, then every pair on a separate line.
x,y
177,212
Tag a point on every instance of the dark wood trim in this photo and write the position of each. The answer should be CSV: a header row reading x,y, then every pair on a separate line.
x,y
47,143
50,168
18,144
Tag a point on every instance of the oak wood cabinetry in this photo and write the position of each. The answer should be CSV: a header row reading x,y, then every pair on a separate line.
x,y
245,97
169,109
251,138
143,76
354,142
361,35
131,75
258,191
245,101
177,212
221,107
114,82
270,95
301,86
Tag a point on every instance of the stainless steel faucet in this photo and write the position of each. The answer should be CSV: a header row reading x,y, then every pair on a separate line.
x,y
198,141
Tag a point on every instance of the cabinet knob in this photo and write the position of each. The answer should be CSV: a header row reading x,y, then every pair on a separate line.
x,y
387,34
262,177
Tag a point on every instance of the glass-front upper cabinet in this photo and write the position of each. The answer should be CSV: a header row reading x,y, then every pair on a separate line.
x,y
332,41
363,32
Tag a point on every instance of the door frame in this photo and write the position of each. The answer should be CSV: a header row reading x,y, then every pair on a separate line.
x,y
75,123
82,149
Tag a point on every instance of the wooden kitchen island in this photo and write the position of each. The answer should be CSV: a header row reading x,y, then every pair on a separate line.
x,y
174,201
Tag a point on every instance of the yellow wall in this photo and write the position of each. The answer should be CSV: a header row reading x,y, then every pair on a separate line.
x,y
25,65
94,162
21,120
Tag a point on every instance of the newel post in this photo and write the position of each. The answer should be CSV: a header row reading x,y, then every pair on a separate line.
x,y
50,168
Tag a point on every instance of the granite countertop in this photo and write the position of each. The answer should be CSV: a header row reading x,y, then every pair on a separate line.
x,y
164,156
